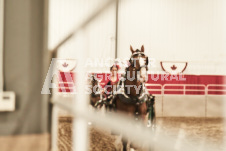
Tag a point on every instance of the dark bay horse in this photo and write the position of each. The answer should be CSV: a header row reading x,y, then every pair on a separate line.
x,y
133,94
95,94
97,98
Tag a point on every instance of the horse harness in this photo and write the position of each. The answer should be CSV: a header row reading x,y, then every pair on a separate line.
x,y
143,96
120,93
139,53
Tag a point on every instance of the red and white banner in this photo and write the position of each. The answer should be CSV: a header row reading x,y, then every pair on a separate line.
x,y
162,84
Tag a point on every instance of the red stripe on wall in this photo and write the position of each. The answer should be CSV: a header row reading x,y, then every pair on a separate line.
x,y
171,84
185,79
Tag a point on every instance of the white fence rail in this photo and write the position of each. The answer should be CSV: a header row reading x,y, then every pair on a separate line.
x,y
205,100
205,89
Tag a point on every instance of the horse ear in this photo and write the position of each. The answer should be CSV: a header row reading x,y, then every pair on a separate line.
x,y
142,48
131,48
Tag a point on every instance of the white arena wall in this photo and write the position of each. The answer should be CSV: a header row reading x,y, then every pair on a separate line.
x,y
174,100
190,106
176,30
171,30
192,31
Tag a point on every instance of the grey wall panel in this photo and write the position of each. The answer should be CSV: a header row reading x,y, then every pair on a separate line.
x,y
23,67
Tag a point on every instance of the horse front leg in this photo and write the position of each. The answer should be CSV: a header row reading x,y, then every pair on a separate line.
x,y
143,112
124,144
151,113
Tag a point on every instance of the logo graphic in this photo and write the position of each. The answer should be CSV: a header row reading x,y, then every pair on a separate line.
x,y
173,67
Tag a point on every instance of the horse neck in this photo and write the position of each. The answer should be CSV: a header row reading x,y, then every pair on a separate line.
x,y
134,82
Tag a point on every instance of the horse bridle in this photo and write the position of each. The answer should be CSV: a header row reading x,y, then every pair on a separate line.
x,y
139,53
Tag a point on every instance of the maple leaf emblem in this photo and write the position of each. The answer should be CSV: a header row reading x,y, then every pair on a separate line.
x,y
173,67
65,64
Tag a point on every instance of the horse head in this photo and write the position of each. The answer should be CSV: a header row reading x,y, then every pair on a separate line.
x,y
139,63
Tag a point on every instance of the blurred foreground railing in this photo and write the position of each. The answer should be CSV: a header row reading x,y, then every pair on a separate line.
x,y
129,128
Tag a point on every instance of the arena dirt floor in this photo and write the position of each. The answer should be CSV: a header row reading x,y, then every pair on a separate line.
x,y
31,142
199,132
